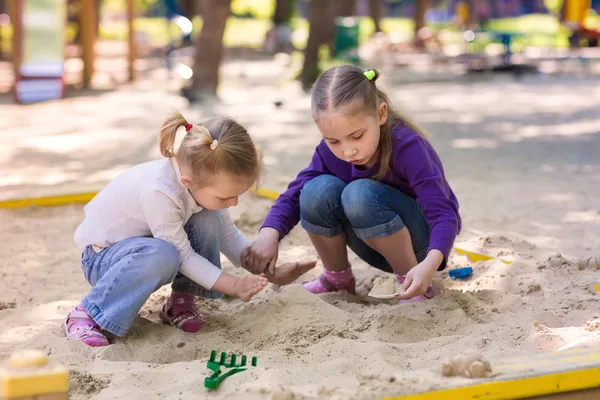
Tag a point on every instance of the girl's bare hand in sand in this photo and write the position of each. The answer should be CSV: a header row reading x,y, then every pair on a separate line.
x,y
249,285
420,277
289,272
262,253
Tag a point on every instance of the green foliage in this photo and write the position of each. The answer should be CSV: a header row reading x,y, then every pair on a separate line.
x,y
261,9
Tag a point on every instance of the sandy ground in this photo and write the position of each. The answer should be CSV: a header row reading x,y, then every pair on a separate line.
x,y
521,156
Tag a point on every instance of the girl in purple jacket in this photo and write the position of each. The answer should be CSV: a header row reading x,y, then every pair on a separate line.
x,y
375,184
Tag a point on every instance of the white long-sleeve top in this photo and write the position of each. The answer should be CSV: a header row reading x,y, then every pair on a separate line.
x,y
150,200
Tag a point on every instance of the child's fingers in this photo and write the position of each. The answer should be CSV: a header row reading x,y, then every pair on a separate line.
x,y
263,264
272,265
407,281
245,253
255,264
304,267
412,291
255,288
250,260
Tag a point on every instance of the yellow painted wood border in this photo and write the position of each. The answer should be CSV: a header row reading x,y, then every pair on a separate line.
x,y
49,200
522,388
62,200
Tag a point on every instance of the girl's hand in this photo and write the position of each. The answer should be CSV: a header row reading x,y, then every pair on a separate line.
x,y
289,272
262,253
246,287
420,277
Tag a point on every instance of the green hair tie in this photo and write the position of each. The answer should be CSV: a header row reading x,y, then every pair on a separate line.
x,y
370,74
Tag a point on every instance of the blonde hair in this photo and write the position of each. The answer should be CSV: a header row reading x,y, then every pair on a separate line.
x,y
340,86
213,146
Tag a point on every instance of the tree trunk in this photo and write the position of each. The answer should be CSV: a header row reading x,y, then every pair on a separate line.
x,y
74,12
189,8
283,12
421,7
320,19
472,12
375,11
209,48
345,8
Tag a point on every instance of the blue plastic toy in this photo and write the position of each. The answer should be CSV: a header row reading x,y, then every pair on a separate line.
x,y
460,273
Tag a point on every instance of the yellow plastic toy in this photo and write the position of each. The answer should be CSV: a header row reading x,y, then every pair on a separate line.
x,y
29,375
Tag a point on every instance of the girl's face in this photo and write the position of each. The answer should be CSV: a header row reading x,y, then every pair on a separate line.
x,y
221,191
353,136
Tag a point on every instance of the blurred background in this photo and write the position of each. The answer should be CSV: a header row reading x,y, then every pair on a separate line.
x,y
507,89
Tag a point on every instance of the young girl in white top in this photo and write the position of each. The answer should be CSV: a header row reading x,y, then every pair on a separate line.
x,y
166,221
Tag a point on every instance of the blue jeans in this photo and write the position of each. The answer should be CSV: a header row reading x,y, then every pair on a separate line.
x,y
125,274
363,209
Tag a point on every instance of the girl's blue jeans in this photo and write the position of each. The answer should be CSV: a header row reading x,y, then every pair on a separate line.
x,y
363,209
125,274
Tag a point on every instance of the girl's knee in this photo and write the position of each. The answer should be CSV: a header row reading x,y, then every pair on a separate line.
x,y
324,190
206,221
358,196
165,260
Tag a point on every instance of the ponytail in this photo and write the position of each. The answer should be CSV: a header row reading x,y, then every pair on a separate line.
x,y
216,145
168,131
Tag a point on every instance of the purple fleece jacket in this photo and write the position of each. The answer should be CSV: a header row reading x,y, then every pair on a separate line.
x,y
415,169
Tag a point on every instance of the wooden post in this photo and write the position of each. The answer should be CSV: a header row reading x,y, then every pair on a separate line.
x,y
15,20
131,40
87,26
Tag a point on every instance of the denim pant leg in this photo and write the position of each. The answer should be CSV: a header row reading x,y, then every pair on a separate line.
x,y
321,213
321,209
123,276
204,231
375,209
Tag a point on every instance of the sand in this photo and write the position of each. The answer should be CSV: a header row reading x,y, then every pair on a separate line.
x,y
525,170
385,286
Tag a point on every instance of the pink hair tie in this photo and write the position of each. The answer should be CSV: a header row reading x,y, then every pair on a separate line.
x,y
188,127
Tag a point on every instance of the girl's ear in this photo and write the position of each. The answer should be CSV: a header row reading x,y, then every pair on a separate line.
x,y
187,181
382,113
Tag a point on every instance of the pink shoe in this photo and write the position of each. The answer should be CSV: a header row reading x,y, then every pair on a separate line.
x,y
80,326
332,281
432,291
180,311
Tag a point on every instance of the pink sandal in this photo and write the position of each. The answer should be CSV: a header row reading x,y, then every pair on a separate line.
x,y
80,326
180,311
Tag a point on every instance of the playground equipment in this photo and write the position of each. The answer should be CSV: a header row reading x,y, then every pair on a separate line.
x,y
573,16
38,46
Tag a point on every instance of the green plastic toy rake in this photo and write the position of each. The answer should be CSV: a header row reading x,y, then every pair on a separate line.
x,y
213,381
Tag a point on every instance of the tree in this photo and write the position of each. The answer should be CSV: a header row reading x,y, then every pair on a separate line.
x,y
345,8
375,11
320,19
421,7
209,49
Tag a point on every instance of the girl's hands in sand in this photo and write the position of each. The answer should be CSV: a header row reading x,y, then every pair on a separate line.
x,y
249,285
420,277
289,272
262,253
